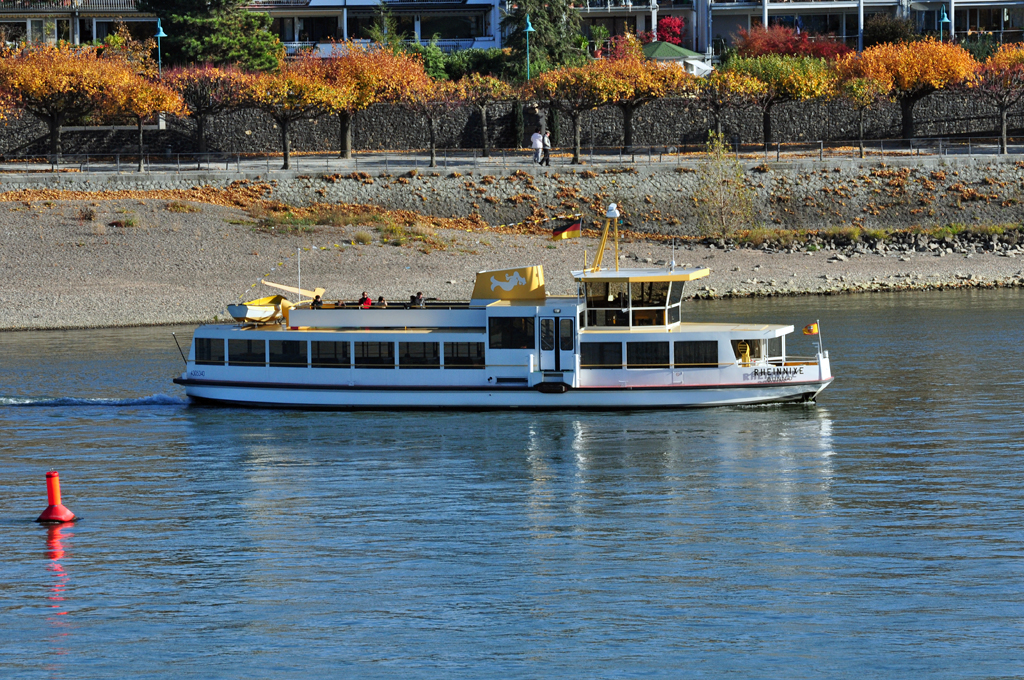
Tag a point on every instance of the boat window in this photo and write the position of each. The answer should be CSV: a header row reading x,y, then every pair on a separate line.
x,y
676,294
209,351
547,334
673,314
649,293
375,354
607,317
566,341
647,355
742,347
696,353
607,295
419,355
329,354
774,348
463,355
512,332
288,353
247,352
649,317
601,355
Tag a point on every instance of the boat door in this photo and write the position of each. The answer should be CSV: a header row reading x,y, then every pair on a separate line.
x,y
557,343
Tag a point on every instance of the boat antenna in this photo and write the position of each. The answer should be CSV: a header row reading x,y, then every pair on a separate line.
x,y
673,253
298,258
179,349
818,324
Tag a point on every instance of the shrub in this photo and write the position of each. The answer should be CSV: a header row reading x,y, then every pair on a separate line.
x,y
86,214
363,238
672,29
783,40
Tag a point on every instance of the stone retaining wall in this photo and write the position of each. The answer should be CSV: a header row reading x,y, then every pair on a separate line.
x,y
389,127
806,195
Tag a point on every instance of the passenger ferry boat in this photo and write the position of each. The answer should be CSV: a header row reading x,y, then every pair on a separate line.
x,y
620,343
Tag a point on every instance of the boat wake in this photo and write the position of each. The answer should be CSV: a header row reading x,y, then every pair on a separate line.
x,y
153,400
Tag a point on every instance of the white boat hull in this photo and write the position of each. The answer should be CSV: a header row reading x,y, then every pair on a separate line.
x,y
329,397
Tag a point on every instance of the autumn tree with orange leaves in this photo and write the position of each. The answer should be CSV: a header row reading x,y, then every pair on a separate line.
x,y
786,79
377,76
911,71
576,90
207,91
58,83
1000,81
724,91
481,92
139,99
644,81
432,99
290,96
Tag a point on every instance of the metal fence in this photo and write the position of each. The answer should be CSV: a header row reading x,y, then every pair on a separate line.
x,y
453,159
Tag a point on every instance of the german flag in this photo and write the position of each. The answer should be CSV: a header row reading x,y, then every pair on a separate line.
x,y
571,230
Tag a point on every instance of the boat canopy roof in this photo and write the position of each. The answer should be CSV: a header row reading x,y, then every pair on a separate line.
x,y
639,275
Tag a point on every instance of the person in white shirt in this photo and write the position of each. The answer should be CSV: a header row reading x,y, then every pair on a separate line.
x,y
537,141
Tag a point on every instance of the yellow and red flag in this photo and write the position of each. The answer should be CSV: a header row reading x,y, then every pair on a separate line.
x,y
811,329
571,230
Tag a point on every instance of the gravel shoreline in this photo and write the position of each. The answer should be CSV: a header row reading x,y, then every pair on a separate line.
x,y
65,268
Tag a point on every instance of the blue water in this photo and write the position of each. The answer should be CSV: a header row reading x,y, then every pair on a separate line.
x,y
875,534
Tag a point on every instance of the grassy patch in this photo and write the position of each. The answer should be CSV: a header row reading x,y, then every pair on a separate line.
x,y
126,222
182,207
363,238
86,214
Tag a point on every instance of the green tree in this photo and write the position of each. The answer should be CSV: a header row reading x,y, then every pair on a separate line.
x,y
786,79
724,200
553,43
218,32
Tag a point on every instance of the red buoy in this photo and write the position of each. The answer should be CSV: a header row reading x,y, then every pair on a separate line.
x,y
55,513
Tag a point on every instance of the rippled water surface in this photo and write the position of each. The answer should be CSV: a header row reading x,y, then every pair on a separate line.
x,y
875,534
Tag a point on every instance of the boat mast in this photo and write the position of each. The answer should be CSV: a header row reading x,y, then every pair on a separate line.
x,y
298,258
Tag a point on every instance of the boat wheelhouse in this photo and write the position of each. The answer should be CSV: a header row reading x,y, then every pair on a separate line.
x,y
621,343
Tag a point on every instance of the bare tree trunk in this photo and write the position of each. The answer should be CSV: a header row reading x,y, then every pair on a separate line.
x,y
1002,130
907,111
627,125
483,129
766,122
286,146
201,133
345,134
433,147
860,130
141,146
718,122
576,128
56,125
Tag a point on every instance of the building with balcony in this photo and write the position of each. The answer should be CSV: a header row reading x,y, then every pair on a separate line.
x,y
303,24
75,21
717,21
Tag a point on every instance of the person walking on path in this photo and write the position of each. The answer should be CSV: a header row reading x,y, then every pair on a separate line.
x,y
546,158
537,141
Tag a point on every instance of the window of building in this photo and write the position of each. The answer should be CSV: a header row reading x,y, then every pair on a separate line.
x,y
512,332
448,27
647,355
318,29
696,354
329,354
359,26
375,354
290,353
247,352
13,31
210,351
600,355
419,355
463,355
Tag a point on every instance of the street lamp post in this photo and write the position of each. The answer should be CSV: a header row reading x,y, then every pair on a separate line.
x,y
528,30
159,57
943,20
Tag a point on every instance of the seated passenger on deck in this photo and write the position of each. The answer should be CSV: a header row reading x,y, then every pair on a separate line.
x,y
317,303
365,301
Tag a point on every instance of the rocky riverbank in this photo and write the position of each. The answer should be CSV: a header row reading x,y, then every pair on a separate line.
x,y
95,263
